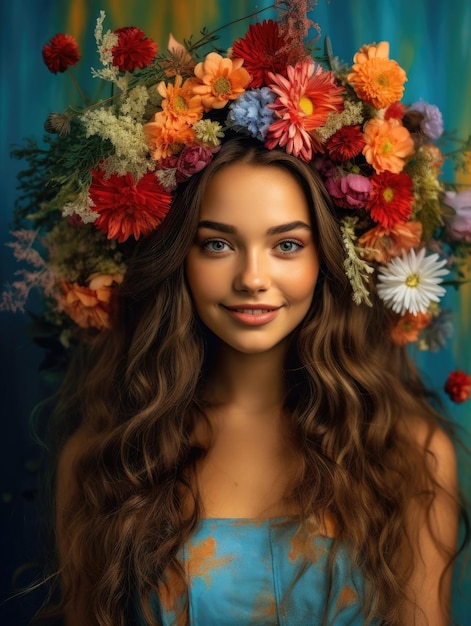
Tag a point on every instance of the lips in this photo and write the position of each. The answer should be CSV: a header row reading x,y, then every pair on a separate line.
x,y
253,314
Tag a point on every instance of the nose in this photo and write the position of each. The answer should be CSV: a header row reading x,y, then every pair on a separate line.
x,y
253,273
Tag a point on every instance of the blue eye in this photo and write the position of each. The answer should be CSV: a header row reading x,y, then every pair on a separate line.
x,y
288,246
215,245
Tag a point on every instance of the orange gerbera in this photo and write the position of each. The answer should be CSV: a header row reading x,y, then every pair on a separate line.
x,y
388,144
377,80
221,79
383,244
167,136
179,102
408,327
90,306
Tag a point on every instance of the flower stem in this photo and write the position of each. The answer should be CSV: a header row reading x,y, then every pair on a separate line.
x,y
208,36
79,88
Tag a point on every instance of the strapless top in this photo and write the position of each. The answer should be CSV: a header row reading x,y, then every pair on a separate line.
x,y
266,572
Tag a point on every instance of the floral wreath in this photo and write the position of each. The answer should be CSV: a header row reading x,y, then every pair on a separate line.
x,y
109,169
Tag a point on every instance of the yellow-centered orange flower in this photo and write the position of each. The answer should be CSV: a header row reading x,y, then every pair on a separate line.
x,y
388,144
221,80
382,244
165,138
179,102
90,306
377,80
408,327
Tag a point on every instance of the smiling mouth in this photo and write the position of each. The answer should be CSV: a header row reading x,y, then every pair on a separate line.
x,y
252,310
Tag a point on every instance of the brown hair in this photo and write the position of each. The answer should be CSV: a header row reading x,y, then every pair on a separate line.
x,y
139,392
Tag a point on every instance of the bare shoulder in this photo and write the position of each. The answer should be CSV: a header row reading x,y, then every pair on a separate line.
x,y
433,527
438,449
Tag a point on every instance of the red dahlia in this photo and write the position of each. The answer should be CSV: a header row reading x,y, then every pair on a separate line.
x,y
345,143
391,198
133,50
61,52
127,208
458,386
264,50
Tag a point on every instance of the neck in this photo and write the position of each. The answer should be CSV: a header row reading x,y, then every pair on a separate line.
x,y
253,382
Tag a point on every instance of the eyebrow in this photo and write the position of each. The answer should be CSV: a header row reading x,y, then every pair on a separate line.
x,y
273,230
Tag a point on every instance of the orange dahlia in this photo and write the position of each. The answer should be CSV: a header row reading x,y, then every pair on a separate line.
x,y
306,97
408,327
128,208
90,306
167,136
180,103
376,79
382,244
221,80
388,144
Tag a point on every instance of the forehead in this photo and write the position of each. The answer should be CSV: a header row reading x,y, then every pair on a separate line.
x,y
242,193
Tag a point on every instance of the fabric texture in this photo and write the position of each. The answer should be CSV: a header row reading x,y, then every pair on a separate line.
x,y
265,572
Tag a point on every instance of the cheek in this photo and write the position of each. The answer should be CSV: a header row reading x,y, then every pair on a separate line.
x,y
204,283
301,284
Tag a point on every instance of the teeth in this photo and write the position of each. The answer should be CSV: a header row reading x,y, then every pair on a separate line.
x,y
253,311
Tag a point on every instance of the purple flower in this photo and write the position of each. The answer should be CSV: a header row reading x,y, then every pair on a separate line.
x,y
350,191
193,159
432,122
459,225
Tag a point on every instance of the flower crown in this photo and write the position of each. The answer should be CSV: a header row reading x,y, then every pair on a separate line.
x,y
111,167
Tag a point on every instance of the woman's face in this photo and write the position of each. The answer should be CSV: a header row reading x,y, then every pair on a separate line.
x,y
253,265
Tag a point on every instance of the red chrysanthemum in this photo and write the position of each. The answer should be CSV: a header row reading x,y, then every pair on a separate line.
x,y
345,143
391,198
134,50
61,52
458,386
127,208
264,49
395,111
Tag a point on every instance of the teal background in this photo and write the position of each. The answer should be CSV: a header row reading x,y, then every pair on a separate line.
x,y
429,38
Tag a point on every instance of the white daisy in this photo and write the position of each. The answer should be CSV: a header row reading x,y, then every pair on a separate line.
x,y
411,283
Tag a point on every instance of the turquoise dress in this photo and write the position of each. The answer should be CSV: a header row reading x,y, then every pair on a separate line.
x,y
245,572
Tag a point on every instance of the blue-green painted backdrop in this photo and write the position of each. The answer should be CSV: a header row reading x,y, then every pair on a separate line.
x,y
429,38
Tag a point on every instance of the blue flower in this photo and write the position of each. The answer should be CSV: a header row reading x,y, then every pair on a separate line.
x,y
440,329
250,112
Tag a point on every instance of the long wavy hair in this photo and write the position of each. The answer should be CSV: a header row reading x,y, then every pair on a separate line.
x,y
138,389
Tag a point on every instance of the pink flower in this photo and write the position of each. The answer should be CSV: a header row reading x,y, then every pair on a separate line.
x,y
350,192
459,225
192,160
306,97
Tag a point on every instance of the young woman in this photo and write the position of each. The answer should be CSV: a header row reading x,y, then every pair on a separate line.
x,y
250,449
